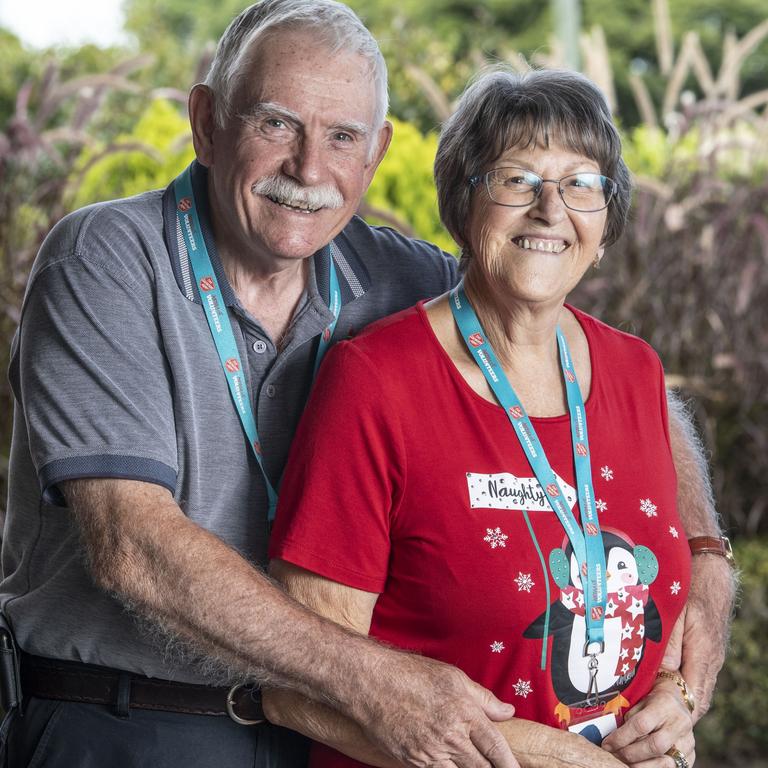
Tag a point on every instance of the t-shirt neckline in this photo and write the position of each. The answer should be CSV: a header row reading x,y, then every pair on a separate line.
x,y
581,318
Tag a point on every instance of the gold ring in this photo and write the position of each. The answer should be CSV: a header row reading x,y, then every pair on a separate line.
x,y
678,757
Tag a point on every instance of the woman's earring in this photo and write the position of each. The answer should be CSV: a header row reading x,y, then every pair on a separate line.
x,y
596,261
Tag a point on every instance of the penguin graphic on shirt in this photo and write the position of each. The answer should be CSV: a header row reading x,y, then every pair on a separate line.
x,y
631,618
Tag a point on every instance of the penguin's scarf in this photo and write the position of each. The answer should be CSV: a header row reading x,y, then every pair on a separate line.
x,y
629,605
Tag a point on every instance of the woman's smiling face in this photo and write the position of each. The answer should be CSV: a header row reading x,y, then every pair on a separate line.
x,y
536,253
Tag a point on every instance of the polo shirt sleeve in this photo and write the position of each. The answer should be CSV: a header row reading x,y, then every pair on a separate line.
x,y
89,373
342,485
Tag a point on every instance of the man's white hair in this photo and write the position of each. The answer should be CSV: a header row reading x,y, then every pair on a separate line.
x,y
333,23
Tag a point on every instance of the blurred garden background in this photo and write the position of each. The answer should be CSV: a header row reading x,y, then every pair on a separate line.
x,y
688,82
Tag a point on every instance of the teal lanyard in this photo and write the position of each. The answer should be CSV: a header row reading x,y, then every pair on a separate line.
x,y
587,542
221,327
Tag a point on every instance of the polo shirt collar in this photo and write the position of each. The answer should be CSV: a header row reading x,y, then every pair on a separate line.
x,y
354,279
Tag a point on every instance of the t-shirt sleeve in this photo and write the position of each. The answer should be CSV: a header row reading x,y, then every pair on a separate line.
x,y
342,484
89,372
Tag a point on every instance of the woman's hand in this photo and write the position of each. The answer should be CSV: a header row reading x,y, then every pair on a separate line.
x,y
658,723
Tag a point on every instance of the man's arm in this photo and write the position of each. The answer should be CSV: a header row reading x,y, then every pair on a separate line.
x,y
143,549
700,637
534,745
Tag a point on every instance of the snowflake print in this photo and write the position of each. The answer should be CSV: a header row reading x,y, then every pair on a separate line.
x,y
606,472
600,505
524,582
673,531
647,506
495,537
497,646
675,588
523,688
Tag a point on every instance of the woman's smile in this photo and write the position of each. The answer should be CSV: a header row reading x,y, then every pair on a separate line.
x,y
546,244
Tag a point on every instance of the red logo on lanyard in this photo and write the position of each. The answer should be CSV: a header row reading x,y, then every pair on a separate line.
x,y
476,340
207,283
327,334
581,449
185,204
570,376
516,412
591,529
583,569
257,448
552,490
596,612
232,365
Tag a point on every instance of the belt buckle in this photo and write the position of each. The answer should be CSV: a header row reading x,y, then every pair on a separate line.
x,y
231,702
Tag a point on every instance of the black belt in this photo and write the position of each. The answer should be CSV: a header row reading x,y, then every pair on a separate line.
x,y
92,684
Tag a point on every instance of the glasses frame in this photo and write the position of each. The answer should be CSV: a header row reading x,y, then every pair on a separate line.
x,y
475,181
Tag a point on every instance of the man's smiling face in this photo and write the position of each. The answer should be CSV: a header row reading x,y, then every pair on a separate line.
x,y
289,169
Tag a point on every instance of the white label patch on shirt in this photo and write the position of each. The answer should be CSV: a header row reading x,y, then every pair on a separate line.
x,y
505,491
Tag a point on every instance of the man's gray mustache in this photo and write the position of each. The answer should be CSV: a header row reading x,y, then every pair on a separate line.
x,y
285,190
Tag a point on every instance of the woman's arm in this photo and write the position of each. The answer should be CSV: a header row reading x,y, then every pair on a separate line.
x,y
534,745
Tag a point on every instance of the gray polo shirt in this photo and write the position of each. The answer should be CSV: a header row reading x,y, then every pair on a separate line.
x,y
116,375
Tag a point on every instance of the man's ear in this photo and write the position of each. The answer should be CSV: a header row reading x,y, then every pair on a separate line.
x,y
202,121
383,139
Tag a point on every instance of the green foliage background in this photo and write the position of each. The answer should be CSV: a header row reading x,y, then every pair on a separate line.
x,y
157,149
449,38
690,275
734,731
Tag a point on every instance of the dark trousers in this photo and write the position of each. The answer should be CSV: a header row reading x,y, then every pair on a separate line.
x,y
63,734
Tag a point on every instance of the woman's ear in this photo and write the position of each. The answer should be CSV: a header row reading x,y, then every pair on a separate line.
x,y
598,256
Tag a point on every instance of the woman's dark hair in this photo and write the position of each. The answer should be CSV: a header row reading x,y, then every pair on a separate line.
x,y
503,109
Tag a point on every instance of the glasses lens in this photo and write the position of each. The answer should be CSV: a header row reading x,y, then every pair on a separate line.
x,y
586,191
512,186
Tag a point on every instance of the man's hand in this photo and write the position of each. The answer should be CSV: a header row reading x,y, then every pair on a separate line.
x,y
541,746
425,713
699,640
659,722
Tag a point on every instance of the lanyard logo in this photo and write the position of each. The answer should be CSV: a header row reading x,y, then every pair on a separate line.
x,y
476,340
207,284
185,204
516,412
232,365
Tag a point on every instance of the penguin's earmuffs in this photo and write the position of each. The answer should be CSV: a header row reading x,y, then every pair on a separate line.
x,y
647,564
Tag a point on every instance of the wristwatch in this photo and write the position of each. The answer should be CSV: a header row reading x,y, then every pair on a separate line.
x,y
682,685
714,545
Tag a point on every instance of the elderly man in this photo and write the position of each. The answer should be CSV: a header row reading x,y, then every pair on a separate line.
x,y
166,348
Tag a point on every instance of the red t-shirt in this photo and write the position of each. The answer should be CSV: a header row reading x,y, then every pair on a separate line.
x,y
405,482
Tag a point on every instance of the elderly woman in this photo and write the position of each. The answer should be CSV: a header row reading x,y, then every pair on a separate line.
x,y
501,493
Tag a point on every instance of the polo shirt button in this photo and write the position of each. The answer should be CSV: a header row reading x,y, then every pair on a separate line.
x,y
270,390
259,347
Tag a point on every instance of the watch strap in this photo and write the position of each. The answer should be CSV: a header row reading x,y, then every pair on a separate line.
x,y
713,545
